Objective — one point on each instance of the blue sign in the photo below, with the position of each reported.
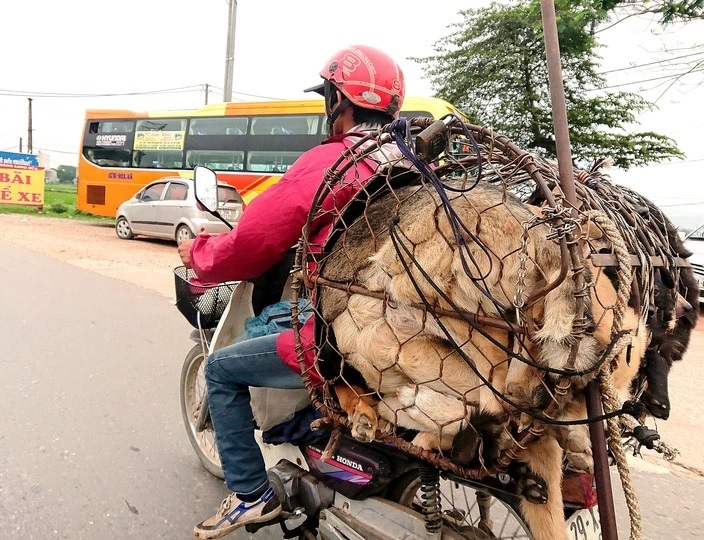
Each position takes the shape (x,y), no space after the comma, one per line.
(21,161)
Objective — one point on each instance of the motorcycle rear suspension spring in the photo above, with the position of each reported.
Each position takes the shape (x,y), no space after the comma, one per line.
(430,497)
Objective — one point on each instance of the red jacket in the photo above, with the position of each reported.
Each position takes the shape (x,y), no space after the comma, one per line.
(272,224)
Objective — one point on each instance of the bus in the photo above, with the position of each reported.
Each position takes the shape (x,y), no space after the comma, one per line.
(249,145)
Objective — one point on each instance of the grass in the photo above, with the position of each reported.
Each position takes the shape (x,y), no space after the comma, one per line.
(59,201)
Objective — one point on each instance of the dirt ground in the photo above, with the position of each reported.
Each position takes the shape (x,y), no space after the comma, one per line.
(149,264)
(144,262)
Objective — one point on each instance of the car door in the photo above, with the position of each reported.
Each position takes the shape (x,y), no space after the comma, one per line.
(143,214)
(172,208)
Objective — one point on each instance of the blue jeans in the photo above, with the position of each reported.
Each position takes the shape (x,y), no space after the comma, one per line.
(229,373)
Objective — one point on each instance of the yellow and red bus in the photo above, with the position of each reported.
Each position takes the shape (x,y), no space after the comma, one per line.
(249,145)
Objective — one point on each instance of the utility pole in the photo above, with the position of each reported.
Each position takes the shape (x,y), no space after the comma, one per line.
(230,52)
(29,128)
(20,145)
(207,90)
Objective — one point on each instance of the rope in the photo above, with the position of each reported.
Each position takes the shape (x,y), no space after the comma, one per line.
(624,266)
(611,402)
(609,396)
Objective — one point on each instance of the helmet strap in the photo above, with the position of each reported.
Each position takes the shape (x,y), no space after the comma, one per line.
(330,101)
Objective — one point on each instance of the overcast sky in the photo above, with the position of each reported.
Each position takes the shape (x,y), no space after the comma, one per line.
(139,46)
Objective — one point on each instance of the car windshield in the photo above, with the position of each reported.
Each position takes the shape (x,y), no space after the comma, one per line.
(696,234)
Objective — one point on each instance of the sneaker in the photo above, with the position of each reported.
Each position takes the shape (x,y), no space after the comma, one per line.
(234,513)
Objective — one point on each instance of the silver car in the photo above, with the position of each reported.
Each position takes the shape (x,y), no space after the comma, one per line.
(694,242)
(167,208)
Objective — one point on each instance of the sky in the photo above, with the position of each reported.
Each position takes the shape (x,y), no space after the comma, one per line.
(159,54)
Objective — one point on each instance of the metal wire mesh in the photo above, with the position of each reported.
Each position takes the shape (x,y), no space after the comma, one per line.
(459,312)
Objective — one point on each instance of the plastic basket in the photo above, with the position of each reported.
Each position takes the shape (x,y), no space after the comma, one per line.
(201,304)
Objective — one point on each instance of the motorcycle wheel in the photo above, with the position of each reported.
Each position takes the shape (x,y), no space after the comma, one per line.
(460,508)
(192,391)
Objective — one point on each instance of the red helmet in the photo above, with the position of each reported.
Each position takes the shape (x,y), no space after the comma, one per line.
(368,77)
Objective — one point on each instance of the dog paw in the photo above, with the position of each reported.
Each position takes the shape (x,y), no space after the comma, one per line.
(364,423)
(385,427)
(575,441)
(582,461)
(531,486)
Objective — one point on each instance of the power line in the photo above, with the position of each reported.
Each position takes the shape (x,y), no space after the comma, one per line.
(26,93)
(675,76)
(177,90)
(636,66)
(700,203)
(682,162)
(58,151)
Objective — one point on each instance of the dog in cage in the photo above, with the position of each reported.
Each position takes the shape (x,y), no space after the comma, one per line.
(402,359)
(672,296)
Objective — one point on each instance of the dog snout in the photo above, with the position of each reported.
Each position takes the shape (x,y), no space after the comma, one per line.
(682,306)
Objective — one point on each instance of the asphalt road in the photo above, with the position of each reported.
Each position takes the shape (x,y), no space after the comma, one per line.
(92,444)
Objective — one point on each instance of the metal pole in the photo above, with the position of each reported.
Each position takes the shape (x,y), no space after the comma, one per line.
(607,514)
(29,127)
(230,52)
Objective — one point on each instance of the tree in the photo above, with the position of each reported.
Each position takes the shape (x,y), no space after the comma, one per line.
(493,67)
(668,11)
(66,174)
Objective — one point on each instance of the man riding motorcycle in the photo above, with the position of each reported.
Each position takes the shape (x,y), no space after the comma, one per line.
(363,90)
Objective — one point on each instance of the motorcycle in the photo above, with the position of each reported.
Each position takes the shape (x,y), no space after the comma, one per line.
(363,491)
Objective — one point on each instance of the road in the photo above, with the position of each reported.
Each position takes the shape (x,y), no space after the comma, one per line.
(92,445)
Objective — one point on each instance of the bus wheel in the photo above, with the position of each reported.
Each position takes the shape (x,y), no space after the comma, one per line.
(183,233)
(123,229)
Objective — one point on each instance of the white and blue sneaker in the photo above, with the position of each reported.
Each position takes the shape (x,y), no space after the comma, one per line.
(234,514)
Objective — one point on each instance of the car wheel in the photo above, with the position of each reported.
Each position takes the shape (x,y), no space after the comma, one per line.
(183,233)
(123,229)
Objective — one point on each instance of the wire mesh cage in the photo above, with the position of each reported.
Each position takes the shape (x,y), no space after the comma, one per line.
(460,303)
(201,304)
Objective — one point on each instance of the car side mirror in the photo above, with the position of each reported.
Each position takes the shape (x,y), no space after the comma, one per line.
(206,187)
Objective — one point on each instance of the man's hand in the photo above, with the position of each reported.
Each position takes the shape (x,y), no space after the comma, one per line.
(184,251)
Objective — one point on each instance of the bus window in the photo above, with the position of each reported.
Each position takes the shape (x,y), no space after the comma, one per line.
(271,161)
(158,159)
(108,157)
(220,160)
(116,126)
(285,125)
(158,144)
(165,124)
(111,126)
(415,114)
(218,126)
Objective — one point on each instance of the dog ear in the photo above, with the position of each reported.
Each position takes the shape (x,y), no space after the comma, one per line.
(667,278)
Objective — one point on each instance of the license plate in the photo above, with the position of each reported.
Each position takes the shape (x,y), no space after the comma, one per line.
(584,525)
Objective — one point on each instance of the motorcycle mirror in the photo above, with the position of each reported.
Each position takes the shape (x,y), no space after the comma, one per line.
(206,188)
